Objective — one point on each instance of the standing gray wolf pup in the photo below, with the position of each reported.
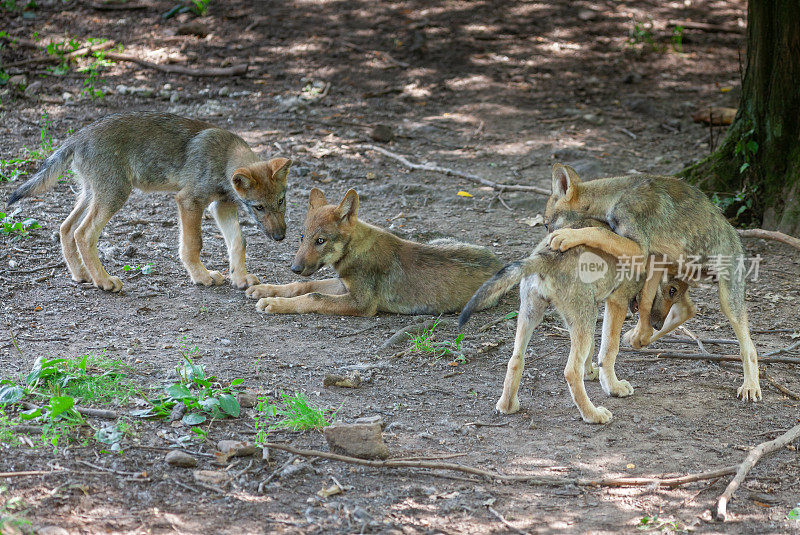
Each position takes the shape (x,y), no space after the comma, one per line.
(666,216)
(163,152)
(377,270)
(551,277)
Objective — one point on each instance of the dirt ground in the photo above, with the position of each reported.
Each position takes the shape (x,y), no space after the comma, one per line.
(499,89)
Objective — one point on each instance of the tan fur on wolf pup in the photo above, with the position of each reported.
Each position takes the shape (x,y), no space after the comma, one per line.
(665,216)
(553,278)
(163,152)
(378,272)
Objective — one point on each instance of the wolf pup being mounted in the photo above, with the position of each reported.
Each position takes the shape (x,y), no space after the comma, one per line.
(204,164)
(377,271)
(659,215)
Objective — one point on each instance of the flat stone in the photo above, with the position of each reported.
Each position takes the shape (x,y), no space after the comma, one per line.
(237,448)
(357,440)
(180,458)
(246,401)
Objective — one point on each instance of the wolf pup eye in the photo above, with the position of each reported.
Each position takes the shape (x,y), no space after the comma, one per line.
(280,202)
(301,238)
(672,291)
(320,241)
(259,207)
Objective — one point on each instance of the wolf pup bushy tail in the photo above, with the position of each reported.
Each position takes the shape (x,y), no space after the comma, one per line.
(493,289)
(54,166)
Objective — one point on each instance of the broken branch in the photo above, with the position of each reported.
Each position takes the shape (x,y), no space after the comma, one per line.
(180,69)
(452,172)
(749,462)
(770,235)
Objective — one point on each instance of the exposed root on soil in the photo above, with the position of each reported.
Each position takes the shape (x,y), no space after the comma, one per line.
(530,479)
(750,461)
(452,172)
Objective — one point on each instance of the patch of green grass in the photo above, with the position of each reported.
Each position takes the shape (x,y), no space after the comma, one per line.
(17,229)
(7,433)
(794,514)
(12,168)
(91,379)
(654,523)
(424,343)
(146,269)
(12,514)
(677,39)
(295,412)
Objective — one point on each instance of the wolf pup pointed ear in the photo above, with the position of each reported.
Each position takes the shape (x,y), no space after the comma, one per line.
(316,198)
(279,167)
(348,208)
(565,178)
(242,180)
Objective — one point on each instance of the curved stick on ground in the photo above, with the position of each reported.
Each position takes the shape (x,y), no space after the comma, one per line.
(770,235)
(180,69)
(749,462)
(452,172)
(530,479)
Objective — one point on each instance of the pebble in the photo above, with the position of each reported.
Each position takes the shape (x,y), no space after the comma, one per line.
(129,252)
(33,89)
(18,80)
(180,458)
(382,133)
(224,91)
(247,401)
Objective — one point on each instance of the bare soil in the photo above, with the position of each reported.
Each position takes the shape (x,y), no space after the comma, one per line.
(500,89)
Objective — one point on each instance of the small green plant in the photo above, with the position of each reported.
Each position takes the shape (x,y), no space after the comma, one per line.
(747,148)
(200,7)
(59,417)
(677,39)
(424,343)
(97,62)
(11,169)
(17,229)
(742,201)
(12,514)
(146,269)
(794,514)
(653,523)
(203,395)
(294,412)
(7,433)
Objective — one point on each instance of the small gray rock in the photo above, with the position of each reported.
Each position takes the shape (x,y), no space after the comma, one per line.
(17,81)
(33,89)
(377,419)
(224,91)
(247,401)
(129,252)
(382,133)
(180,458)
(237,448)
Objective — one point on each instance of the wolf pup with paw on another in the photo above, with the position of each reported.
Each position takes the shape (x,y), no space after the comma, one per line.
(204,164)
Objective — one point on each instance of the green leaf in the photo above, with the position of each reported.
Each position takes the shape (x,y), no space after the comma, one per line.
(193,419)
(752,146)
(10,394)
(30,414)
(60,404)
(178,391)
(237,382)
(744,166)
(229,404)
(148,269)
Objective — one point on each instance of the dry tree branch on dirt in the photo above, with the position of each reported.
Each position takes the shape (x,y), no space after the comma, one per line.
(530,479)
(452,172)
(770,235)
(749,462)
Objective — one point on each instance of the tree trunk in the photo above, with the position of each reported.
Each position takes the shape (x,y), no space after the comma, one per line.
(760,154)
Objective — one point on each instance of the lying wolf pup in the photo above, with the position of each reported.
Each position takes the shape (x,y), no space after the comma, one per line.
(563,280)
(378,272)
(163,152)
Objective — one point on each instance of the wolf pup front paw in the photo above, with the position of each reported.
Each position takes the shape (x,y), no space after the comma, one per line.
(275,305)
(210,278)
(261,290)
(243,282)
(601,415)
(638,337)
(565,239)
(112,284)
(507,406)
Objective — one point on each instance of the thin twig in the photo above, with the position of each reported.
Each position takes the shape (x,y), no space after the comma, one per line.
(782,350)
(85,411)
(766,359)
(452,172)
(782,388)
(506,523)
(180,69)
(16,345)
(486,424)
(5,475)
(749,462)
(691,335)
(34,270)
